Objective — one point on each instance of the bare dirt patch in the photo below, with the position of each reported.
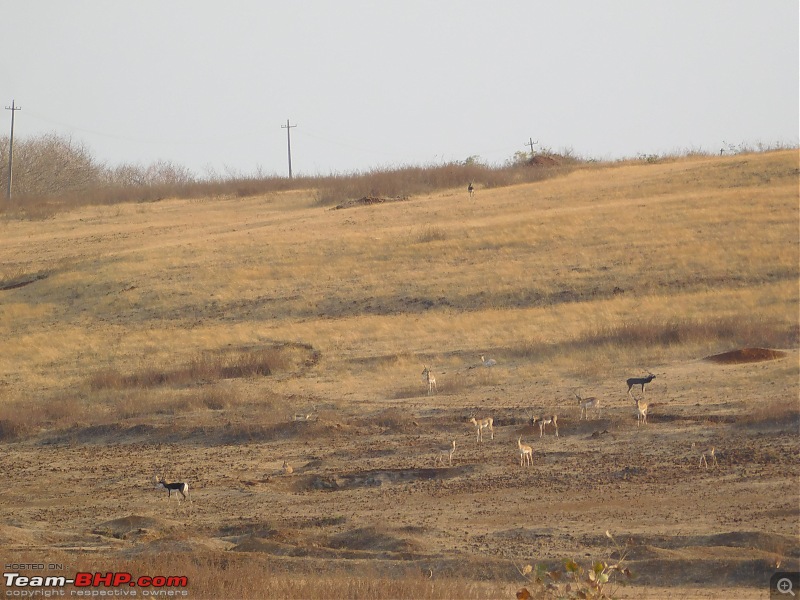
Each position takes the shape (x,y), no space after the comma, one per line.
(746,355)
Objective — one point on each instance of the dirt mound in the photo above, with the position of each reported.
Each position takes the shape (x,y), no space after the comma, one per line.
(366,542)
(371,539)
(11,536)
(746,355)
(367,201)
(543,161)
(125,527)
(378,477)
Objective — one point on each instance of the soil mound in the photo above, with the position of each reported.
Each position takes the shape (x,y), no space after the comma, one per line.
(746,355)
(541,160)
(125,527)
(378,477)
(372,539)
(367,201)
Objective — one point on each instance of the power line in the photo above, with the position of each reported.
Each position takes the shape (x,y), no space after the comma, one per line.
(13,109)
(288,129)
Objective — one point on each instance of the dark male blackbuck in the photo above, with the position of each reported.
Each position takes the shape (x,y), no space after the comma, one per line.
(639,381)
(180,488)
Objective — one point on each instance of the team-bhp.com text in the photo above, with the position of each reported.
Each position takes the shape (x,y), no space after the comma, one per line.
(96,585)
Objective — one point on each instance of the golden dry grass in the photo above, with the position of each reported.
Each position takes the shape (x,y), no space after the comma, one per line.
(140,314)
(695,240)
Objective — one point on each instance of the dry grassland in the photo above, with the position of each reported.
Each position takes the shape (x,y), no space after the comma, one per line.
(184,336)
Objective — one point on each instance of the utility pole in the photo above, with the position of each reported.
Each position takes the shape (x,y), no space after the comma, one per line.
(531,143)
(288,128)
(13,109)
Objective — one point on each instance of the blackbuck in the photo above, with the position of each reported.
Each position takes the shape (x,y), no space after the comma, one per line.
(641,412)
(525,453)
(545,421)
(711,452)
(428,377)
(642,381)
(488,362)
(179,488)
(446,451)
(586,403)
(481,424)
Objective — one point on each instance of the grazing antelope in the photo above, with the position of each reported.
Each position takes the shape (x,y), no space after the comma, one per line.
(180,488)
(525,453)
(488,363)
(586,403)
(639,381)
(287,468)
(446,451)
(304,416)
(471,189)
(481,424)
(712,452)
(545,421)
(427,377)
(641,412)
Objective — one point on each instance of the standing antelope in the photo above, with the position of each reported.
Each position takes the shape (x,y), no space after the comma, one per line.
(180,488)
(428,377)
(446,451)
(586,403)
(481,424)
(471,189)
(525,453)
(641,412)
(712,452)
(545,421)
(639,381)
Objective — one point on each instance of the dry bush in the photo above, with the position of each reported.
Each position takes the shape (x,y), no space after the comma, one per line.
(53,173)
(14,424)
(677,331)
(394,419)
(249,575)
(431,233)
(202,368)
(774,412)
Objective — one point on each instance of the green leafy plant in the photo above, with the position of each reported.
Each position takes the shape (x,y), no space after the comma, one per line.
(596,582)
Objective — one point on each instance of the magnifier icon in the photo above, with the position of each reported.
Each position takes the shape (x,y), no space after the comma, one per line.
(784,586)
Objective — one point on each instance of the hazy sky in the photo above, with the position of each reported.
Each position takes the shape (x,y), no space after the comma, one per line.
(378,83)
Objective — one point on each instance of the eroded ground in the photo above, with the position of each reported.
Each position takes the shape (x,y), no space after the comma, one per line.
(365,486)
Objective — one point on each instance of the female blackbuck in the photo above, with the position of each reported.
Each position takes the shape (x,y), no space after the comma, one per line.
(428,377)
(488,362)
(446,451)
(525,453)
(712,452)
(481,424)
(641,412)
(545,421)
(586,403)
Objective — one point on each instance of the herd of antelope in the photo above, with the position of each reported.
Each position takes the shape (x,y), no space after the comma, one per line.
(485,425)
(585,405)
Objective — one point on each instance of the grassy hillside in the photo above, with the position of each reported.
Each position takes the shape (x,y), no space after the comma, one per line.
(600,272)
(183,335)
